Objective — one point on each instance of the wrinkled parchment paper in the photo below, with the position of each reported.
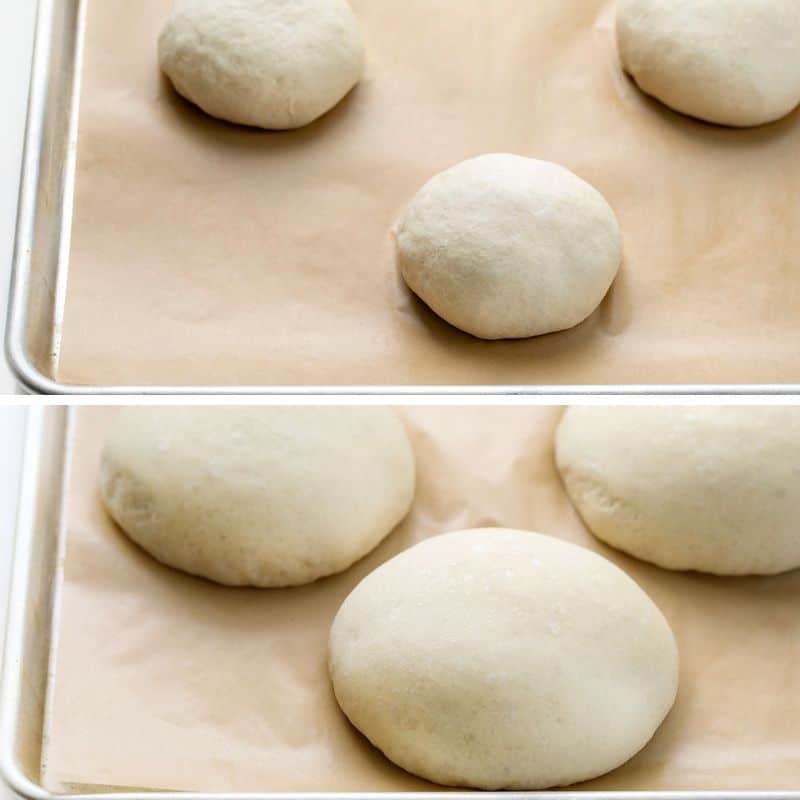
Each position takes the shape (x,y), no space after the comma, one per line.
(167,681)
(205,253)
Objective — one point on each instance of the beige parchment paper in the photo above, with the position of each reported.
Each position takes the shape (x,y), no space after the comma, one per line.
(205,253)
(167,681)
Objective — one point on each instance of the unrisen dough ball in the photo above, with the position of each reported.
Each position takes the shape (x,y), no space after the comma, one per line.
(733,62)
(275,64)
(501,659)
(506,247)
(713,489)
(261,496)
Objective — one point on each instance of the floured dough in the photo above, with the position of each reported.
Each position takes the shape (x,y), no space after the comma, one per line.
(275,64)
(260,496)
(501,659)
(714,489)
(733,62)
(506,247)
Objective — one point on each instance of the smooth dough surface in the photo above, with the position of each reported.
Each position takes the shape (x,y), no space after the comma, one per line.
(713,489)
(259,496)
(502,659)
(507,247)
(732,62)
(276,64)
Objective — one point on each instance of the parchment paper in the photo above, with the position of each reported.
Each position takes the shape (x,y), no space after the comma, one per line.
(207,253)
(167,681)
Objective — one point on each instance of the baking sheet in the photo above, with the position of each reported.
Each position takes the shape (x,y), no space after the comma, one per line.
(171,682)
(205,253)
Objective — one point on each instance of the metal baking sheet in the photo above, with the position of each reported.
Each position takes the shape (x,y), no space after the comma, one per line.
(24,684)
(41,260)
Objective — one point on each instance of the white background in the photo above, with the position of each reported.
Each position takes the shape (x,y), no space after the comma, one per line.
(12,430)
(16,39)
(16,42)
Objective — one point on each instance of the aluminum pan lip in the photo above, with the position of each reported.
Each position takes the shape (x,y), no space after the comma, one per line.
(16,353)
(31,494)
(33,380)
(40,95)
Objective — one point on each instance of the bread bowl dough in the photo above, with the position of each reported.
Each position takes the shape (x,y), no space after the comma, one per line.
(732,62)
(260,496)
(276,64)
(714,489)
(501,659)
(506,247)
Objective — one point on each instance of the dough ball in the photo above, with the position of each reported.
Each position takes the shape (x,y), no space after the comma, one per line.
(501,659)
(275,64)
(713,489)
(733,62)
(506,247)
(260,496)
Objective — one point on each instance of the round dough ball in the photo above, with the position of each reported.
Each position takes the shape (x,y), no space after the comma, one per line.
(502,659)
(506,247)
(276,64)
(732,62)
(260,496)
(712,489)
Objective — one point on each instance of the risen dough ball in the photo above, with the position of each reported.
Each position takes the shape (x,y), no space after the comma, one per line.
(733,62)
(506,247)
(275,64)
(712,489)
(260,496)
(501,659)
